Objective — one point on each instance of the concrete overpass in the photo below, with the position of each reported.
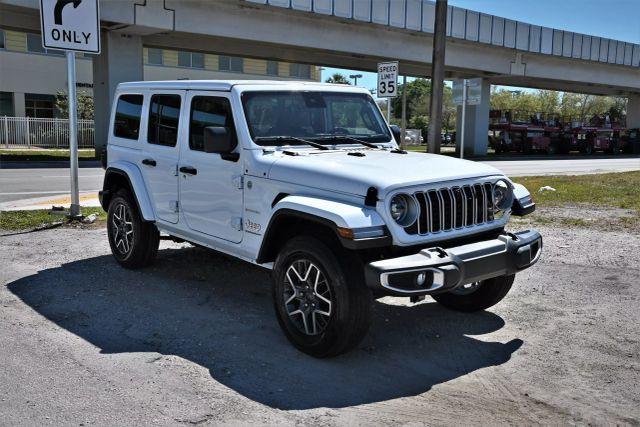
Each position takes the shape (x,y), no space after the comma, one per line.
(357,34)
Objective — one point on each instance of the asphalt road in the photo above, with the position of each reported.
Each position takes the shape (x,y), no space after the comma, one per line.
(193,340)
(18,184)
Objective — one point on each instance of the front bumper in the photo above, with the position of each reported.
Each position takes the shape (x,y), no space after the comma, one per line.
(436,270)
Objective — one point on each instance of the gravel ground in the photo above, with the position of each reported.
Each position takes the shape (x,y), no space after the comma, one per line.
(193,340)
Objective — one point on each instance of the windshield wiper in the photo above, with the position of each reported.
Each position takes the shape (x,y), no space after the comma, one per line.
(348,138)
(291,138)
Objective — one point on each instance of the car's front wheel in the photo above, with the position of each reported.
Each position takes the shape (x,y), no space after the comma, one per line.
(134,242)
(322,303)
(478,295)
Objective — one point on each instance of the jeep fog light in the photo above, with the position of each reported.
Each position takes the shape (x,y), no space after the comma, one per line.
(502,196)
(403,209)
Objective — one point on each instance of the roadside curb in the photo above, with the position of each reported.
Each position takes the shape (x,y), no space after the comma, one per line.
(87,199)
(63,164)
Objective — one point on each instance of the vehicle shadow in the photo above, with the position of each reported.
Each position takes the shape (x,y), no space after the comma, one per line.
(217,312)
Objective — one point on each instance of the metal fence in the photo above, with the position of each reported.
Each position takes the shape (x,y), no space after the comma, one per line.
(27,132)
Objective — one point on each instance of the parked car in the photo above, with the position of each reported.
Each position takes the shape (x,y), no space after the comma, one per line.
(306,179)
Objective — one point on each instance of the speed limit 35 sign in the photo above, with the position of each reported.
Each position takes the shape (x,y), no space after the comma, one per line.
(387,79)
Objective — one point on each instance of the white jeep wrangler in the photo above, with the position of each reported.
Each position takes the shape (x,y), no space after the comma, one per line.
(306,179)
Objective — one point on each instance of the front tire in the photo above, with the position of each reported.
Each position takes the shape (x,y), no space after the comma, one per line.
(477,296)
(134,242)
(321,302)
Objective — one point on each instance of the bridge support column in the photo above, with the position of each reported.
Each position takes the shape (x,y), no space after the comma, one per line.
(476,130)
(119,61)
(633,112)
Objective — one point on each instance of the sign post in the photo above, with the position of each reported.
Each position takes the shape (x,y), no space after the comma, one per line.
(388,83)
(72,26)
(74,211)
(466,92)
(464,113)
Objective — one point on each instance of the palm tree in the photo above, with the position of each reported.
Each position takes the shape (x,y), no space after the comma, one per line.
(338,78)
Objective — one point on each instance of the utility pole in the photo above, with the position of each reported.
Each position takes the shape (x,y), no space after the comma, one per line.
(403,132)
(437,77)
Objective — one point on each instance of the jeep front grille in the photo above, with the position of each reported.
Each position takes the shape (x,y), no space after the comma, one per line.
(452,208)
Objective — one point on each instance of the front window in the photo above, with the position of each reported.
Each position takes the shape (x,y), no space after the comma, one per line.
(191,59)
(272,68)
(155,56)
(324,117)
(39,106)
(231,63)
(302,71)
(6,104)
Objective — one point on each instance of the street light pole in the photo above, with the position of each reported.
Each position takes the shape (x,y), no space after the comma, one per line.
(355,78)
(437,77)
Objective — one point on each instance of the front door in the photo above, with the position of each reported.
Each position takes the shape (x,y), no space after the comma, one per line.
(210,187)
(160,160)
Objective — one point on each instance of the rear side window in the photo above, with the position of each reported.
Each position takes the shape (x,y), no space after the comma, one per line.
(127,120)
(164,116)
(208,111)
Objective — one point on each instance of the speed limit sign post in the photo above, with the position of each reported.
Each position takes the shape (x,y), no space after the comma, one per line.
(388,83)
(388,79)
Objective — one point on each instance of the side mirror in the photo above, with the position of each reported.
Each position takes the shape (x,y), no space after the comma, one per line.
(397,133)
(218,139)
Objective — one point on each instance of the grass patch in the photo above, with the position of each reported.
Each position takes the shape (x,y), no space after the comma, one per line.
(582,194)
(26,220)
(44,155)
(618,190)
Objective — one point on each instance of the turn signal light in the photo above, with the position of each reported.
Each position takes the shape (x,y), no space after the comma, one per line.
(346,233)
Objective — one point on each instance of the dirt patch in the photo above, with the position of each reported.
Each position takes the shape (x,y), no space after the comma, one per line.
(601,218)
(194,340)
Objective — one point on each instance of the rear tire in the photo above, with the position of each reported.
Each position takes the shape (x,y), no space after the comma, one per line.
(134,242)
(321,301)
(487,294)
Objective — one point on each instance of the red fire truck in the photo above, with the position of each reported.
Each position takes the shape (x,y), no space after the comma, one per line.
(599,134)
(524,132)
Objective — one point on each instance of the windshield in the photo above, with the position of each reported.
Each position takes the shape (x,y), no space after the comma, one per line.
(290,117)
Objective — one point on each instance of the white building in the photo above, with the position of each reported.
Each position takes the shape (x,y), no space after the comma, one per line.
(30,76)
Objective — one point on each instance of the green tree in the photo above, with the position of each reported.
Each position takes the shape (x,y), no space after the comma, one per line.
(420,122)
(570,106)
(338,78)
(449,111)
(418,92)
(84,101)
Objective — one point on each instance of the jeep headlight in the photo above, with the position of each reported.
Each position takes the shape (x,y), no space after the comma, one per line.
(502,196)
(403,209)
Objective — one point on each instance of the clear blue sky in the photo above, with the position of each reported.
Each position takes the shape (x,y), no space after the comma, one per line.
(615,19)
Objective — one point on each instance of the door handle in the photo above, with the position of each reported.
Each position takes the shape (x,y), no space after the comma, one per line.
(189,170)
(149,162)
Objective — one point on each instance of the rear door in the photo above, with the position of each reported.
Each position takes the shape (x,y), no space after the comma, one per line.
(210,187)
(159,162)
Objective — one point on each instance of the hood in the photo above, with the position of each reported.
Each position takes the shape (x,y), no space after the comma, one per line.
(338,171)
